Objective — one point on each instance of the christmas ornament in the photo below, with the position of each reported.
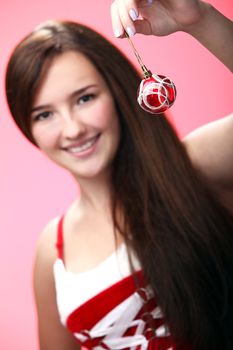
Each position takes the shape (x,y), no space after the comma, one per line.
(156,93)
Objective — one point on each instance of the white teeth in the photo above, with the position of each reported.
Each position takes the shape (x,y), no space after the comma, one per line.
(84,147)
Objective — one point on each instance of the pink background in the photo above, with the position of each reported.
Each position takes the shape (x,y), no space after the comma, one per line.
(32,189)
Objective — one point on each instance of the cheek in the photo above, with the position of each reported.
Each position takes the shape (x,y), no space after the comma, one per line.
(45,137)
(105,115)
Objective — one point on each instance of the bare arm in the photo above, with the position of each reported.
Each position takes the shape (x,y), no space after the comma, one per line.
(210,148)
(215,32)
(52,334)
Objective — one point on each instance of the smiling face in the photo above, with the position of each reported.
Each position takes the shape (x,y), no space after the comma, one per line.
(73,118)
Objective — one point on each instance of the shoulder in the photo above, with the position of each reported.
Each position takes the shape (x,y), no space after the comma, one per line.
(46,245)
(52,334)
(45,256)
(210,148)
(217,127)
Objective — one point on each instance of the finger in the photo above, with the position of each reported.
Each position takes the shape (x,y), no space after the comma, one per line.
(117,26)
(128,11)
(124,13)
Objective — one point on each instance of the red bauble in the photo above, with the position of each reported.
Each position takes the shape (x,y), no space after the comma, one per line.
(156,94)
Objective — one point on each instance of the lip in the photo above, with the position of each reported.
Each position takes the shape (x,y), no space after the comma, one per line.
(80,143)
(85,152)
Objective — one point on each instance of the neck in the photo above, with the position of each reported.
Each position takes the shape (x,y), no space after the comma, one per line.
(95,193)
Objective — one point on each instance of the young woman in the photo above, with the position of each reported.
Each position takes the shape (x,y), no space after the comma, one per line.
(143,259)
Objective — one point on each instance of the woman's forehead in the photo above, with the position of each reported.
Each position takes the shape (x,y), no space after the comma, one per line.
(67,72)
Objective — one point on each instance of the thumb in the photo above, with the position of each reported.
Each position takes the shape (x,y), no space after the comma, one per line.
(142,26)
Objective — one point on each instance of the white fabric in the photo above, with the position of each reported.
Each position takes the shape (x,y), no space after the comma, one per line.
(75,289)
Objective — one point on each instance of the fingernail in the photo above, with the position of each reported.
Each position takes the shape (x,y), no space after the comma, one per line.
(117,33)
(130,31)
(150,1)
(133,14)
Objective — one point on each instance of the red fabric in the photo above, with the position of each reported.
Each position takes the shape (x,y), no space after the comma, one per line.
(85,317)
(89,313)
(59,243)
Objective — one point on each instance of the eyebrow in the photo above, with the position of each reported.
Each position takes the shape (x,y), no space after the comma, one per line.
(72,95)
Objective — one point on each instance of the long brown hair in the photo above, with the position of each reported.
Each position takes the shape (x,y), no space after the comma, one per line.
(182,235)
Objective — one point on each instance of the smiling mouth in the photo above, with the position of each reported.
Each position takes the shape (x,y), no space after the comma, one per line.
(84,147)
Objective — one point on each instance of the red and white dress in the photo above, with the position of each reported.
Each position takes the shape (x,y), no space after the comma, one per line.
(103,307)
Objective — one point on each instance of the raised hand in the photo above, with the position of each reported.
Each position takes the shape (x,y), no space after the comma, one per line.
(158,17)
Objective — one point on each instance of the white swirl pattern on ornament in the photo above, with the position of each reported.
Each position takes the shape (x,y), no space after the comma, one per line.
(162,87)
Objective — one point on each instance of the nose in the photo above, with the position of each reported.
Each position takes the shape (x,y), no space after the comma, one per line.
(72,127)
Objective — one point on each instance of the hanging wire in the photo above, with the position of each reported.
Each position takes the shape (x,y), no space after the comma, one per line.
(146,72)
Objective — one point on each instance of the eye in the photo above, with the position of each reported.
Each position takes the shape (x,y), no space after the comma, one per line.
(85,98)
(41,116)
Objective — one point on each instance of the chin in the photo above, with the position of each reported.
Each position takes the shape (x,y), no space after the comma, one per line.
(91,173)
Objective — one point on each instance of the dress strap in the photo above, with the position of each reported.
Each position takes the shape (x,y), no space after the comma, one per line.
(59,243)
